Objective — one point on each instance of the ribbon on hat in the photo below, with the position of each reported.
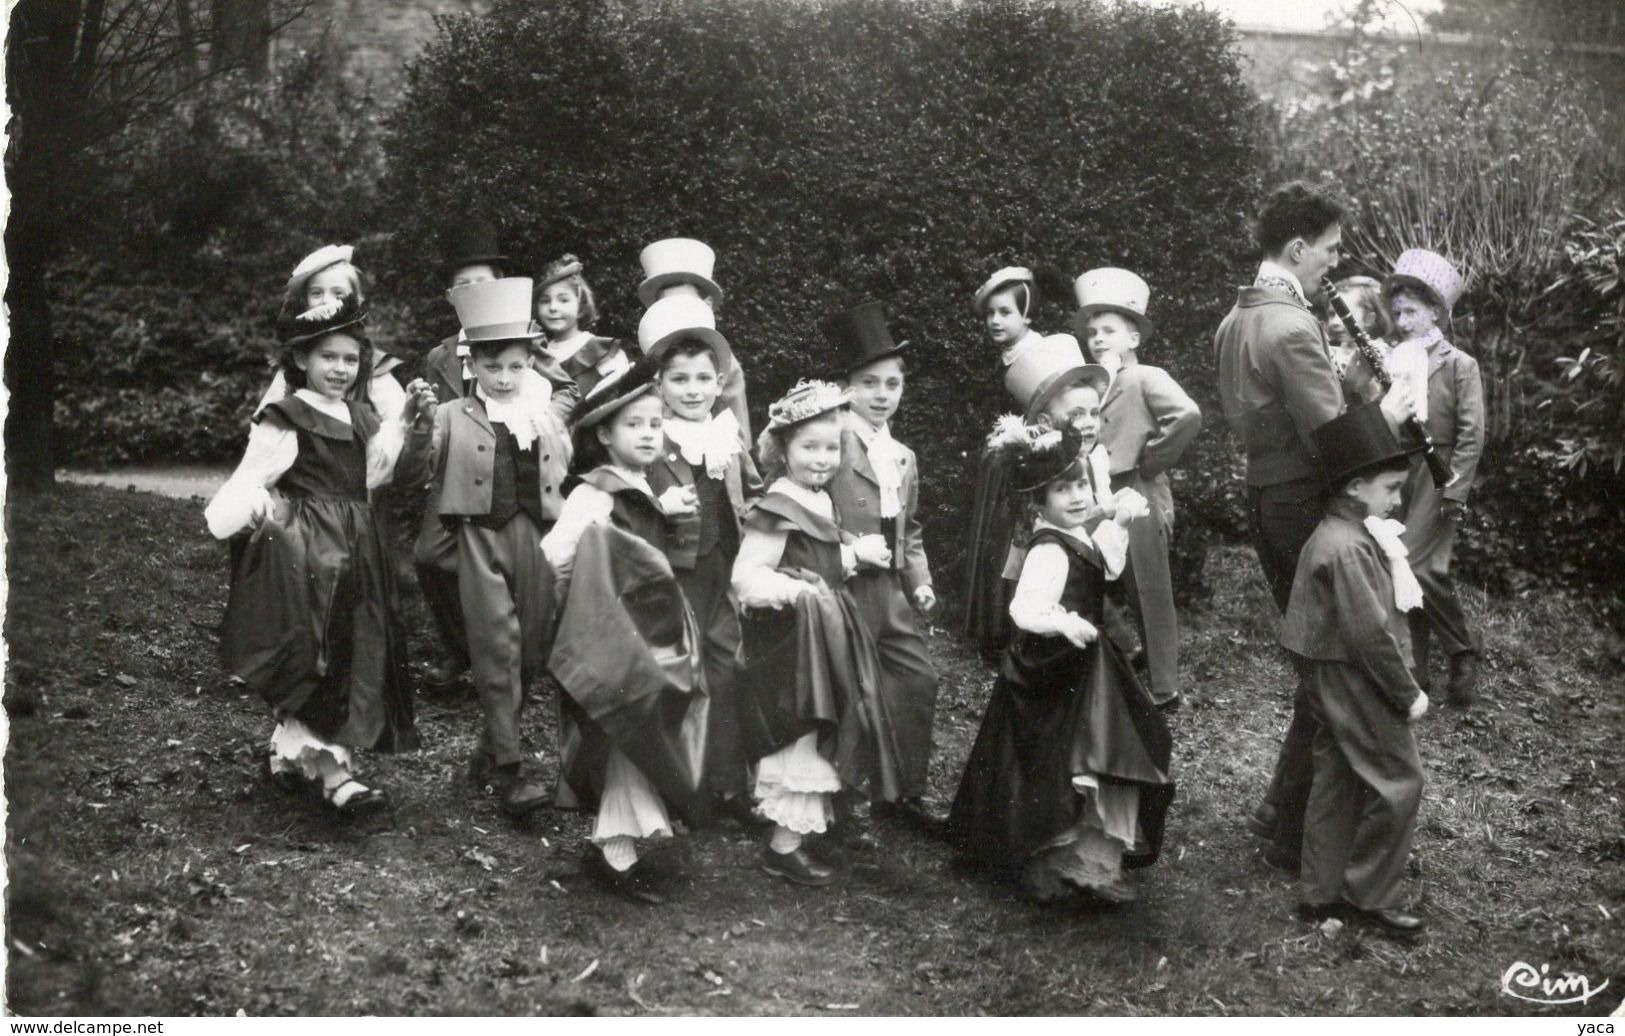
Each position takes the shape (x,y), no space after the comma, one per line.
(712,442)
(1388,532)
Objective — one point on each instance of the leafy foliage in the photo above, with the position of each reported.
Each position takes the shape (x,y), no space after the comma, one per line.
(861,148)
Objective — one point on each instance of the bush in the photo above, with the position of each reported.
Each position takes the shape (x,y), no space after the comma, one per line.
(165,333)
(888,148)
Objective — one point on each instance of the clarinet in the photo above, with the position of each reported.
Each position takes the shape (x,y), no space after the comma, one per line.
(1443,477)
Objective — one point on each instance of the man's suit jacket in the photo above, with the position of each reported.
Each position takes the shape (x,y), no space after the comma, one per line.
(1276,383)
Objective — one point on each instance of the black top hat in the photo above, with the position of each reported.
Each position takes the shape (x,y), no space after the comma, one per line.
(350,315)
(860,337)
(1355,441)
(471,243)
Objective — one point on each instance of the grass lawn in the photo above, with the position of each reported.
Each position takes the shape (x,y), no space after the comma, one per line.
(153,869)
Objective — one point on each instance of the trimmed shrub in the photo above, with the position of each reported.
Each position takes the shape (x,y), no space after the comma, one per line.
(893,149)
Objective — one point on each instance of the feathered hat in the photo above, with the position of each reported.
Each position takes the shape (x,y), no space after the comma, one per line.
(806,401)
(614,392)
(1035,455)
(348,315)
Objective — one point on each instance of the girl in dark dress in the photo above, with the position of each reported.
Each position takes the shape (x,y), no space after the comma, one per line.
(1068,781)
(310,623)
(810,714)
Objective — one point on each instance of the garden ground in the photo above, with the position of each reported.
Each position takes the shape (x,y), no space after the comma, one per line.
(153,870)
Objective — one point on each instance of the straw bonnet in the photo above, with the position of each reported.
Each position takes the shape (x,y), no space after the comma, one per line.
(1111,289)
(1008,275)
(806,401)
(677,260)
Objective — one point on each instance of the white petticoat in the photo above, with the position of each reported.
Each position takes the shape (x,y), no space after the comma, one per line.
(630,807)
(300,746)
(1090,853)
(796,787)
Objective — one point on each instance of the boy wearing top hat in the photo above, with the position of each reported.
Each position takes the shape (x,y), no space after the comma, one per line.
(496,460)
(682,266)
(1147,422)
(1449,391)
(1346,621)
(472,256)
(876,492)
(705,481)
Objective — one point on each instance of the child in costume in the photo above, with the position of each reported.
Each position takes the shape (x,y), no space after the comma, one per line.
(311,622)
(472,256)
(325,276)
(1364,298)
(813,720)
(679,267)
(1449,392)
(1147,423)
(567,309)
(1068,781)
(876,493)
(705,482)
(633,718)
(496,462)
(1346,619)
(1005,302)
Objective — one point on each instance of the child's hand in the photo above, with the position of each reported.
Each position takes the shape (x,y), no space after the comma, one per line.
(872,550)
(420,400)
(1080,631)
(925,597)
(679,500)
(1399,404)
(262,509)
(1129,504)
(1419,707)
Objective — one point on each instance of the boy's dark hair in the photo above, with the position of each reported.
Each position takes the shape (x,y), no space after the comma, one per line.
(1381,467)
(495,347)
(688,347)
(1294,210)
(497,270)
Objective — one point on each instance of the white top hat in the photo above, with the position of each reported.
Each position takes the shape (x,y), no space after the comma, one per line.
(1008,275)
(676,317)
(1043,370)
(1418,266)
(494,311)
(677,260)
(1110,289)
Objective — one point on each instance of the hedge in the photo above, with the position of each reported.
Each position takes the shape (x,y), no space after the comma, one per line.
(833,152)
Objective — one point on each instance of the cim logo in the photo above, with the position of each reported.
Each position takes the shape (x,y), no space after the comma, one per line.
(1523,982)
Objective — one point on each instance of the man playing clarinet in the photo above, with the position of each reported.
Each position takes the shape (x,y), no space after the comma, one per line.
(1277,385)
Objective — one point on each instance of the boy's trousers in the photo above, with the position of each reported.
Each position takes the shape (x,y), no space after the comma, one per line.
(434,557)
(1367,787)
(1430,540)
(506,590)
(907,680)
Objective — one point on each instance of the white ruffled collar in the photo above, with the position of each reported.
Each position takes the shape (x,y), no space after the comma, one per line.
(334,408)
(526,414)
(712,442)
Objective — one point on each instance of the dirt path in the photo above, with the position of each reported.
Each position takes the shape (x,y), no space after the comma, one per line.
(154,871)
(179,481)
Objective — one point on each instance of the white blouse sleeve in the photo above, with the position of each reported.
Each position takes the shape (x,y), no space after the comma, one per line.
(756,579)
(1036,604)
(584,507)
(278,389)
(271,451)
(1112,539)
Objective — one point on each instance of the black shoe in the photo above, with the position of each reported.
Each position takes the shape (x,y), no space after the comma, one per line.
(631,884)
(1391,918)
(359,803)
(741,810)
(517,796)
(1318,912)
(1463,686)
(1169,706)
(798,866)
(291,782)
(1283,860)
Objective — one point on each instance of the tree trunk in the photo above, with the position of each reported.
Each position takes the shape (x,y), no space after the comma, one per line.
(240,33)
(30,373)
